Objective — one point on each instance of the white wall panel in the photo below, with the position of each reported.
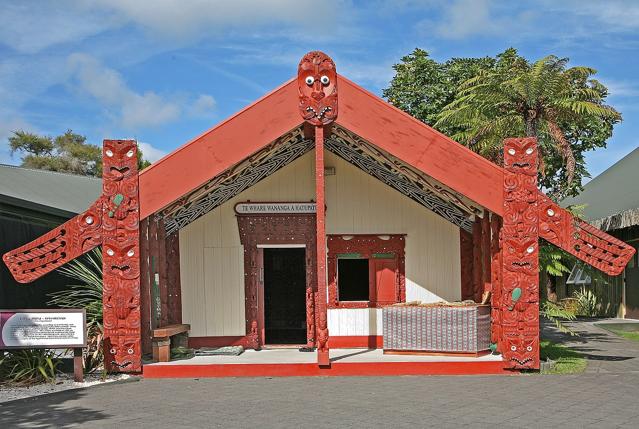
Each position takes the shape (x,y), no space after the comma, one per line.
(212,256)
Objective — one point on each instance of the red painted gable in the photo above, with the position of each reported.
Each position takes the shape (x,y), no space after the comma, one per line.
(360,111)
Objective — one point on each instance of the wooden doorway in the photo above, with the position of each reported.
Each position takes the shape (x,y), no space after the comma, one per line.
(283,299)
(259,232)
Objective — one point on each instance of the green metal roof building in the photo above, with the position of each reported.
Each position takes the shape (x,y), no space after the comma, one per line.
(32,202)
(612,204)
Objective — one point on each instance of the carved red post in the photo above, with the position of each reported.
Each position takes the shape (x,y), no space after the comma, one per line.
(520,262)
(121,256)
(496,266)
(113,222)
(317,83)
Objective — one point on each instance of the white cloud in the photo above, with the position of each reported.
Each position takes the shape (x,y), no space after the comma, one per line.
(202,18)
(203,105)
(108,87)
(151,153)
(30,26)
(620,88)
(461,19)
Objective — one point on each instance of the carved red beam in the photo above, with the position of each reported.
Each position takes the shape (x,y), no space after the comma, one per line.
(57,247)
(589,244)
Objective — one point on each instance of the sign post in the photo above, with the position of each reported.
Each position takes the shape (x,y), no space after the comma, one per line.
(45,329)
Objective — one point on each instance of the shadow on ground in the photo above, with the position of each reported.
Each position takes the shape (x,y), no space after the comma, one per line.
(48,411)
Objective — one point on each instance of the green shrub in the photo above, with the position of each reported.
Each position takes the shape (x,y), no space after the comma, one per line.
(28,366)
(558,314)
(87,294)
(587,303)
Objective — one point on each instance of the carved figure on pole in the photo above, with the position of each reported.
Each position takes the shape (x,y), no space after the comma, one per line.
(317,84)
(113,222)
(519,297)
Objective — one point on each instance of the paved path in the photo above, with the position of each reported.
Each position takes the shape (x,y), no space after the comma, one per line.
(606,352)
(604,398)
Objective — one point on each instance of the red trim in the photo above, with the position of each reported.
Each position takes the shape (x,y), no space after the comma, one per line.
(323,358)
(366,245)
(356,341)
(336,369)
(197,342)
(336,342)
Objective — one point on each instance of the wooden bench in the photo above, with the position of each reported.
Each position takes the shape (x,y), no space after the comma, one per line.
(162,340)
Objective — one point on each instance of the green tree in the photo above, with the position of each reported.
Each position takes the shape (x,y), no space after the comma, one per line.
(68,153)
(481,101)
(564,108)
(423,87)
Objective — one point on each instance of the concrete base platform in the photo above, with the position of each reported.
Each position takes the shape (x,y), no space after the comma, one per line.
(344,362)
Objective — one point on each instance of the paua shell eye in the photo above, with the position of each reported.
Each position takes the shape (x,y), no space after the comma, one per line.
(113,351)
(325,80)
(130,351)
(130,153)
(109,153)
(529,150)
(513,348)
(110,252)
(310,80)
(511,151)
(530,249)
(529,348)
(130,253)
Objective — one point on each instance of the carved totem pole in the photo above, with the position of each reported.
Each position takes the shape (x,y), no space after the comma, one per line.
(113,222)
(519,297)
(317,83)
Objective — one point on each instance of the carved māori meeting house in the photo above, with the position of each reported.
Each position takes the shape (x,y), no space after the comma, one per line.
(330,231)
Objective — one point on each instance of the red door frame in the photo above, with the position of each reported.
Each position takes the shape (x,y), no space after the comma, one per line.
(275,229)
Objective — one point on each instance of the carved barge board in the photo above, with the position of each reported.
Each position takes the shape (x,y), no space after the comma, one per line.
(57,247)
(589,244)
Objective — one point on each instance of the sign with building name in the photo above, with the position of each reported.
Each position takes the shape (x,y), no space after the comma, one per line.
(42,328)
(275,208)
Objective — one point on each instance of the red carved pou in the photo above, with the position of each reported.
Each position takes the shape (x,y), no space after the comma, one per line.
(519,295)
(317,83)
(120,252)
(113,222)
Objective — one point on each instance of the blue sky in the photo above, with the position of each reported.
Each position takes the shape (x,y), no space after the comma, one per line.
(164,71)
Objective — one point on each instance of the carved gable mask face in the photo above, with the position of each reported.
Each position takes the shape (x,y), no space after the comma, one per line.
(122,256)
(317,83)
(120,159)
(520,156)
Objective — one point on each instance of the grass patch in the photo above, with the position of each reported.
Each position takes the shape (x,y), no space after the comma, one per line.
(629,331)
(567,360)
(630,335)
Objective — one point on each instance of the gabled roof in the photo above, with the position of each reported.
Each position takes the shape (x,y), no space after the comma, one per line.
(48,191)
(360,111)
(613,192)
